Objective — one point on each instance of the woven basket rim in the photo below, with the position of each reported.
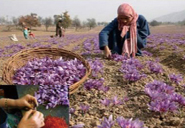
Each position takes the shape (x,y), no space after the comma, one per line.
(9,68)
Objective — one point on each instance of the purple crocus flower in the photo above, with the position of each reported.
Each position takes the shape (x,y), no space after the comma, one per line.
(84,108)
(154,67)
(163,97)
(163,107)
(146,53)
(72,110)
(104,88)
(107,123)
(117,57)
(178,98)
(94,84)
(52,95)
(96,66)
(50,72)
(133,75)
(105,102)
(131,69)
(129,123)
(11,50)
(175,78)
(116,101)
(138,124)
(125,99)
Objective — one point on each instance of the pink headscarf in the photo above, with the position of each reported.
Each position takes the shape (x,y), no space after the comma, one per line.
(130,46)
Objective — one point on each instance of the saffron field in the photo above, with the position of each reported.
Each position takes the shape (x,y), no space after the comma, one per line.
(147,91)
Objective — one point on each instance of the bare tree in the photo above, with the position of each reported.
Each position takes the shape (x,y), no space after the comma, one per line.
(102,23)
(29,20)
(84,24)
(41,20)
(76,23)
(15,21)
(66,20)
(47,22)
(91,23)
(2,20)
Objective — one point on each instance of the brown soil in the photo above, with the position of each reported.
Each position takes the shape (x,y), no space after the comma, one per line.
(136,107)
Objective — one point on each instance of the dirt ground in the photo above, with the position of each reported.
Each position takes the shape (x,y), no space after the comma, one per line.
(136,107)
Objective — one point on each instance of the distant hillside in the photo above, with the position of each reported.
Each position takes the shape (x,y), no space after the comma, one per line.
(172,17)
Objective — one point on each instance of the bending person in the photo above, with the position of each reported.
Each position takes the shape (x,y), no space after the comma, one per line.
(126,34)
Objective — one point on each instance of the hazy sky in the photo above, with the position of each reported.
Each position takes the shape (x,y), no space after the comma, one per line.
(101,10)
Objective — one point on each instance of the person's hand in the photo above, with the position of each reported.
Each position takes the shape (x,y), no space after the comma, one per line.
(32,119)
(107,52)
(27,101)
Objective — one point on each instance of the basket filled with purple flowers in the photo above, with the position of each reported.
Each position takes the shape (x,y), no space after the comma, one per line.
(46,66)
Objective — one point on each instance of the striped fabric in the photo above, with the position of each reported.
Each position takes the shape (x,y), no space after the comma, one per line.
(130,45)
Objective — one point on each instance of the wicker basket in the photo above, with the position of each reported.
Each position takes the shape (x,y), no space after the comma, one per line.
(21,58)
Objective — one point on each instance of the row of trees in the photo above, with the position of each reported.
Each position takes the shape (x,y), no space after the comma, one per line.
(33,20)
(156,23)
